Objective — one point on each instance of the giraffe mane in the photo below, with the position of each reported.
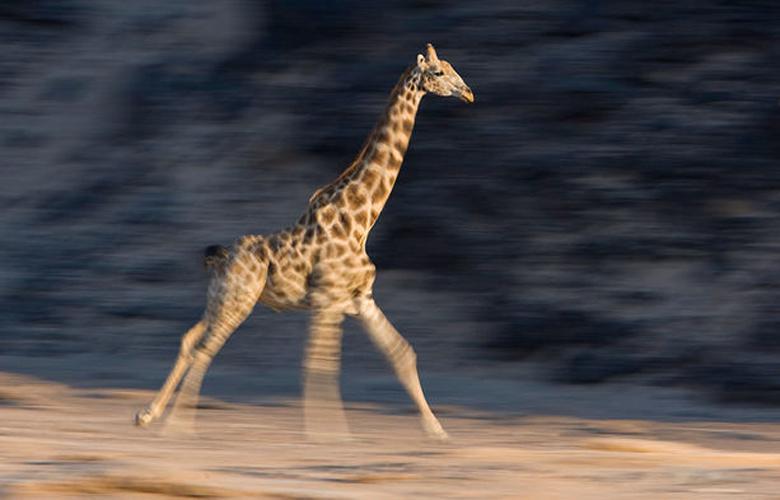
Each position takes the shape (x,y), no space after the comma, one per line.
(361,155)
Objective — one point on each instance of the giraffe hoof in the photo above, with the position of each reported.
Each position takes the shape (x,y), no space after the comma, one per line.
(435,431)
(143,418)
(440,436)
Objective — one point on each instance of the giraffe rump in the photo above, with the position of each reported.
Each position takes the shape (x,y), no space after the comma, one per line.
(215,256)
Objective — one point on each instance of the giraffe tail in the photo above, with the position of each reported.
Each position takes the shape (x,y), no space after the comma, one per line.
(215,257)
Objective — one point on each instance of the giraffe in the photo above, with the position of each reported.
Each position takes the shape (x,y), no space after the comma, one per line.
(319,264)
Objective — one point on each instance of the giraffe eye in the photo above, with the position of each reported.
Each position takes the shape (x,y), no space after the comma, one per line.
(438,73)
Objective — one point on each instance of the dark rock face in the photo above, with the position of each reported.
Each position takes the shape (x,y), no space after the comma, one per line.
(609,205)
(42,14)
(531,330)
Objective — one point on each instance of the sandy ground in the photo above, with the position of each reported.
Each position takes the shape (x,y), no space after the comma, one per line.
(672,242)
(64,441)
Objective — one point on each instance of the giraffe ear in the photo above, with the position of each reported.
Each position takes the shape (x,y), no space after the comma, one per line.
(421,61)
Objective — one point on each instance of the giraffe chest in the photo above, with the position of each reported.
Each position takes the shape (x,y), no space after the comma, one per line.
(285,286)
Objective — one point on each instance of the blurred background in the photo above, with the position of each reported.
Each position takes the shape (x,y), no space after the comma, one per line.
(608,209)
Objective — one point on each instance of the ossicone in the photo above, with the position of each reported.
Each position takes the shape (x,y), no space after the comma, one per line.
(430,53)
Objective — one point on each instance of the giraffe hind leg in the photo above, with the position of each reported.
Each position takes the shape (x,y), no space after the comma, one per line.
(214,258)
(156,408)
(235,286)
(231,300)
(184,407)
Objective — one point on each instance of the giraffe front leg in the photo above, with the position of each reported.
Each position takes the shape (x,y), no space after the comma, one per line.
(403,360)
(155,409)
(323,410)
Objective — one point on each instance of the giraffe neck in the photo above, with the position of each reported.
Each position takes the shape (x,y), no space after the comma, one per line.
(371,176)
(386,147)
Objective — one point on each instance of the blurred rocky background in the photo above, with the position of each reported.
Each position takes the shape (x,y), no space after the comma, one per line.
(608,209)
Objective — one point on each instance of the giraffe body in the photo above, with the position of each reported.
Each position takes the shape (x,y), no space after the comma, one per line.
(320,264)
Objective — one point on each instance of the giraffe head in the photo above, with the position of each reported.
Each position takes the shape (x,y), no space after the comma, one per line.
(439,77)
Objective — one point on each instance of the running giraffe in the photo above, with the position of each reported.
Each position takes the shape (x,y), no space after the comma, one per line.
(319,264)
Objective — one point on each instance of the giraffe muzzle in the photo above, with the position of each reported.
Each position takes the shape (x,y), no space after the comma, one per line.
(467,95)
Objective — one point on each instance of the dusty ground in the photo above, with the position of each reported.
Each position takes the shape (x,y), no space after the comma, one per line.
(58,441)
(606,212)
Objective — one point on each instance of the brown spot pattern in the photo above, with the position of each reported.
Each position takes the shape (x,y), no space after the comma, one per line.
(346,223)
(380,193)
(327,215)
(394,163)
(369,177)
(338,232)
(380,156)
(383,136)
(355,198)
(361,218)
